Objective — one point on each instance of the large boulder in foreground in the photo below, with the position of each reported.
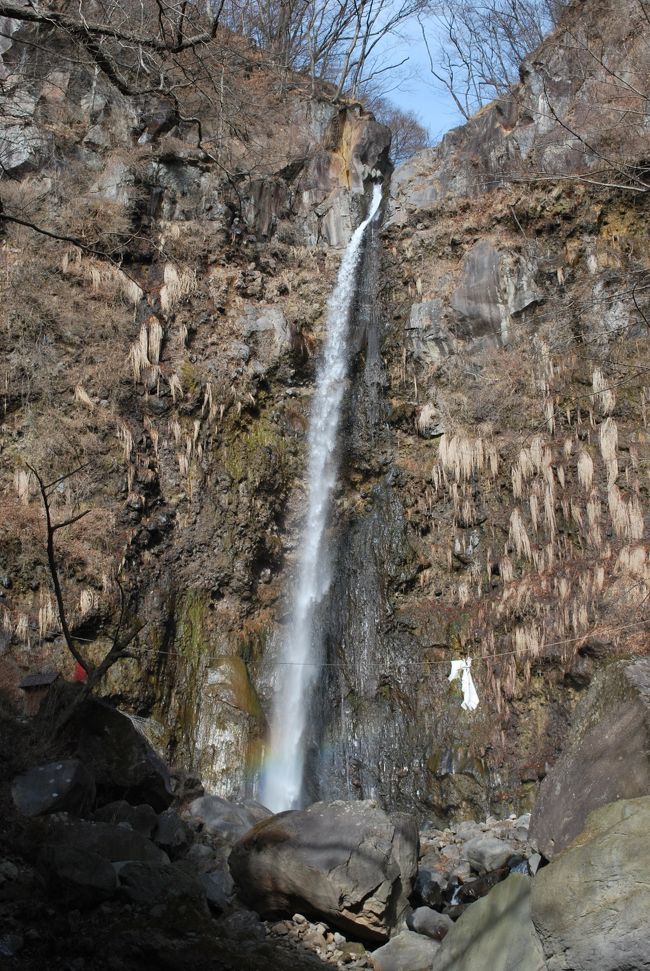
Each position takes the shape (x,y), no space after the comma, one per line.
(608,757)
(591,905)
(349,863)
(124,763)
(496,933)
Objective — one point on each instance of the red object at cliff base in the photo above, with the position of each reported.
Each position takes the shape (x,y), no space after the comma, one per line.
(79,673)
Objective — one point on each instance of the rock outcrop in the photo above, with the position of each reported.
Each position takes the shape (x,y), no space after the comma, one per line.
(607,759)
(349,863)
(562,119)
(590,906)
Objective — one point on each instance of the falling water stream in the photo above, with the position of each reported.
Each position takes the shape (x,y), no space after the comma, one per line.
(299,666)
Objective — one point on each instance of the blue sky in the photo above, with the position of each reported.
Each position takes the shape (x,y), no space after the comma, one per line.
(418,90)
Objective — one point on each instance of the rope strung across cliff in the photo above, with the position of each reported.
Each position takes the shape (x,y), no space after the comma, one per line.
(426,663)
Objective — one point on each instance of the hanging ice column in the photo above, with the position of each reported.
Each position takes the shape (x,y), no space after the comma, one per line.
(299,662)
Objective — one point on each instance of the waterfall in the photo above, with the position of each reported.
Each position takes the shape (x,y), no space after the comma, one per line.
(299,666)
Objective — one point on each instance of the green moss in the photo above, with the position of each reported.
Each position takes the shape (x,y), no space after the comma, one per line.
(252,644)
(252,454)
(190,379)
(235,685)
(191,624)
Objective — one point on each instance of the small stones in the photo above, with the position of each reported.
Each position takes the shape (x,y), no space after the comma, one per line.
(328,945)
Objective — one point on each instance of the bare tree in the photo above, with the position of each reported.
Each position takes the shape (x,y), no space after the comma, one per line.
(339,41)
(409,134)
(126,629)
(475,47)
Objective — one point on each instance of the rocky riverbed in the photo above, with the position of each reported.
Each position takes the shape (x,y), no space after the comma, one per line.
(110,860)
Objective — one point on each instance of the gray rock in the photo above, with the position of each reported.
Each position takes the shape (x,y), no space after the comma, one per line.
(486,853)
(225,819)
(496,932)
(115,184)
(142,818)
(591,905)
(428,331)
(351,864)
(406,951)
(113,843)
(171,833)
(243,925)
(476,299)
(200,854)
(468,830)
(8,870)
(155,883)
(429,886)
(57,787)
(124,763)
(429,922)
(509,136)
(77,876)
(267,320)
(218,886)
(608,757)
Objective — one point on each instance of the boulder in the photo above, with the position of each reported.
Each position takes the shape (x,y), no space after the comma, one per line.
(219,817)
(351,864)
(608,756)
(65,786)
(218,887)
(155,883)
(429,922)
(474,889)
(171,833)
(142,818)
(591,905)
(124,763)
(77,877)
(113,843)
(496,933)
(487,853)
(405,952)
(429,887)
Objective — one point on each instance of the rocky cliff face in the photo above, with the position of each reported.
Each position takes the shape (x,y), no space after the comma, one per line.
(494,451)
(516,326)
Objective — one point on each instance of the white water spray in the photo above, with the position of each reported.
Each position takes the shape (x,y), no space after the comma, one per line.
(299,663)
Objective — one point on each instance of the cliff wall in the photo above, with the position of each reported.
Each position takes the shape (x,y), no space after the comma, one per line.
(494,491)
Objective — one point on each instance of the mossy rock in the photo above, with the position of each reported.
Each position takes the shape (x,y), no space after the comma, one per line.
(229,678)
(255,454)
